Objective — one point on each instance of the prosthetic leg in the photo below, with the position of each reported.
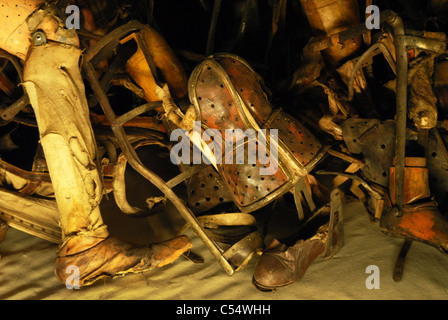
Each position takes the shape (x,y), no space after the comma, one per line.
(53,83)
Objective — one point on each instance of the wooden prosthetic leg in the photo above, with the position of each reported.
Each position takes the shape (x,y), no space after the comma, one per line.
(53,82)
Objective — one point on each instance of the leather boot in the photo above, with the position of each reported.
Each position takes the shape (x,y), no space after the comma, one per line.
(281,265)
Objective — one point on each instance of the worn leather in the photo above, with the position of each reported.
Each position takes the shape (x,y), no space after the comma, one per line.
(54,84)
(281,265)
(112,257)
(422,222)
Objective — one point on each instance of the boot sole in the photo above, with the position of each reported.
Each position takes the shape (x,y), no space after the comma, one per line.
(264,288)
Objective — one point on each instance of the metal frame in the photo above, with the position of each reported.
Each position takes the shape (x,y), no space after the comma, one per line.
(403,39)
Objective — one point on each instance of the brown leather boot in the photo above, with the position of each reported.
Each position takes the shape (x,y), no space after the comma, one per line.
(113,258)
(281,265)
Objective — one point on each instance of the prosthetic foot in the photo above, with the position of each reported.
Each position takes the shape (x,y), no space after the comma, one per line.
(113,258)
(421,222)
(421,219)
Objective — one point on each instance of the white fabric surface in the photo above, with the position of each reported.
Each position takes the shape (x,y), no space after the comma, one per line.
(26,270)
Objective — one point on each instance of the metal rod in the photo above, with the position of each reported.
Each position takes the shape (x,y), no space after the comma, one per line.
(399,265)
(401,106)
(188,173)
(137,112)
(212,29)
(111,41)
(142,44)
(369,53)
(10,112)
